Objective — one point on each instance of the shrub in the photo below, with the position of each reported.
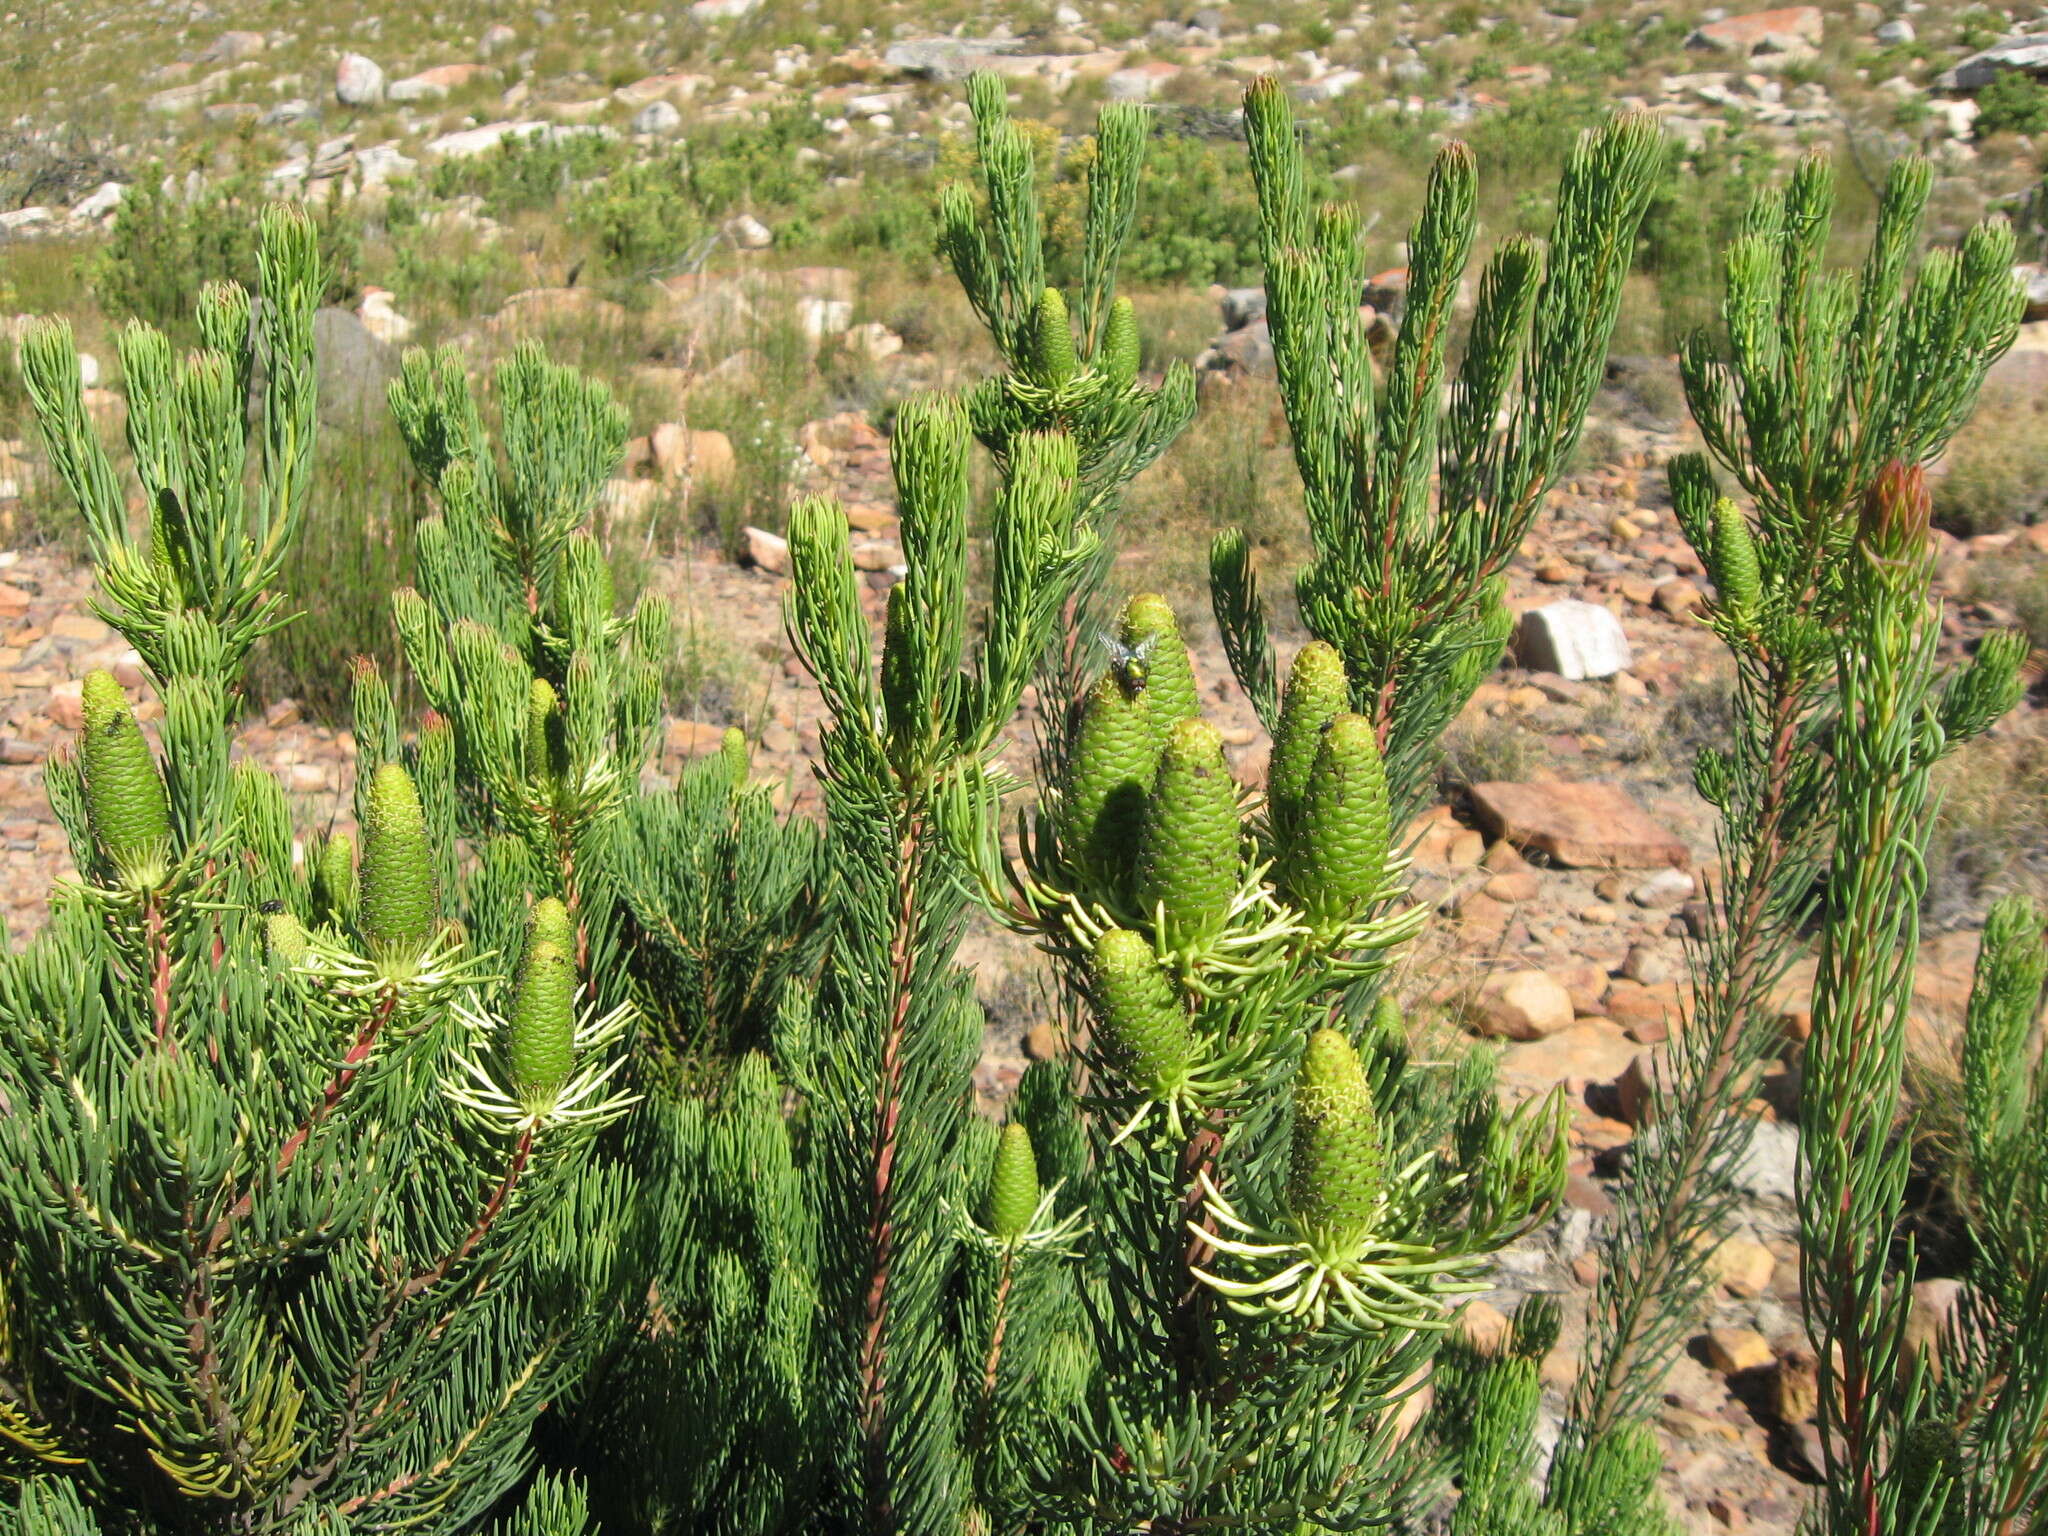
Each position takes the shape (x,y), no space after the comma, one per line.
(2013,102)
(162,242)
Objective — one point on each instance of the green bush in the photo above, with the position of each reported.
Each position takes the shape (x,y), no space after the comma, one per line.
(2014,102)
(164,245)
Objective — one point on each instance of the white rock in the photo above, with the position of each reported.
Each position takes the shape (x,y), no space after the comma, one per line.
(380,162)
(99,202)
(88,371)
(657,117)
(749,233)
(821,318)
(873,341)
(1575,640)
(380,319)
(1067,18)
(722,10)
(466,142)
(358,81)
(1900,31)
(1666,888)
(767,551)
(25,218)
(1329,87)
(495,37)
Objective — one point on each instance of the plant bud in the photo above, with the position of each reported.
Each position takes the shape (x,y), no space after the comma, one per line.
(903,704)
(1144,1025)
(1119,356)
(1925,1464)
(1335,1168)
(733,756)
(1898,513)
(1103,804)
(540,1031)
(1736,575)
(551,924)
(124,793)
(1317,693)
(1152,656)
(547,742)
(1386,1019)
(1188,854)
(1052,340)
(1339,853)
(334,879)
(284,936)
(396,897)
(1013,1190)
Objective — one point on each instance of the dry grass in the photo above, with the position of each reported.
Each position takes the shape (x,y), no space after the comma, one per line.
(1996,470)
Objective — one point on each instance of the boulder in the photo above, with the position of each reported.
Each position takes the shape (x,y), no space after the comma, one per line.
(1580,825)
(702,455)
(358,81)
(767,551)
(232,47)
(468,142)
(433,84)
(1732,1351)
(1573,639)
(1794,30)
(1140,82)
(948,60)
(354,368)
(1241,306)
(2033,276)
(2028,52)
(1521,1005)
(657,116)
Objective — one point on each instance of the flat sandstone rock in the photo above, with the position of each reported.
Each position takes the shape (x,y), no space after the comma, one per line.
(1578,825)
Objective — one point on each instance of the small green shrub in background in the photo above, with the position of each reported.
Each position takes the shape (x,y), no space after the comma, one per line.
(355,548)
(164,244)
(2014,102)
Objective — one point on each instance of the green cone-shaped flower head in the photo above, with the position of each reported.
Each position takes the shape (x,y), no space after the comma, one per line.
(1152,656)
(1386,1019)
(540,1030)
(1119,356)
(1052,340)
(547,740)
(1013,1190)
(1144,1026)
(1188,857)
(1926,1464)
(1317,693)
(396,899)
(732,753)
(1737,579)
(1102,805)
(284,936)
(124,793)
(1336,1169)
(1338,857)
(334,879)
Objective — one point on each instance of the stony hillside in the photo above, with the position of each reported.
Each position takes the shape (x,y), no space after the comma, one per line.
(722,209)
